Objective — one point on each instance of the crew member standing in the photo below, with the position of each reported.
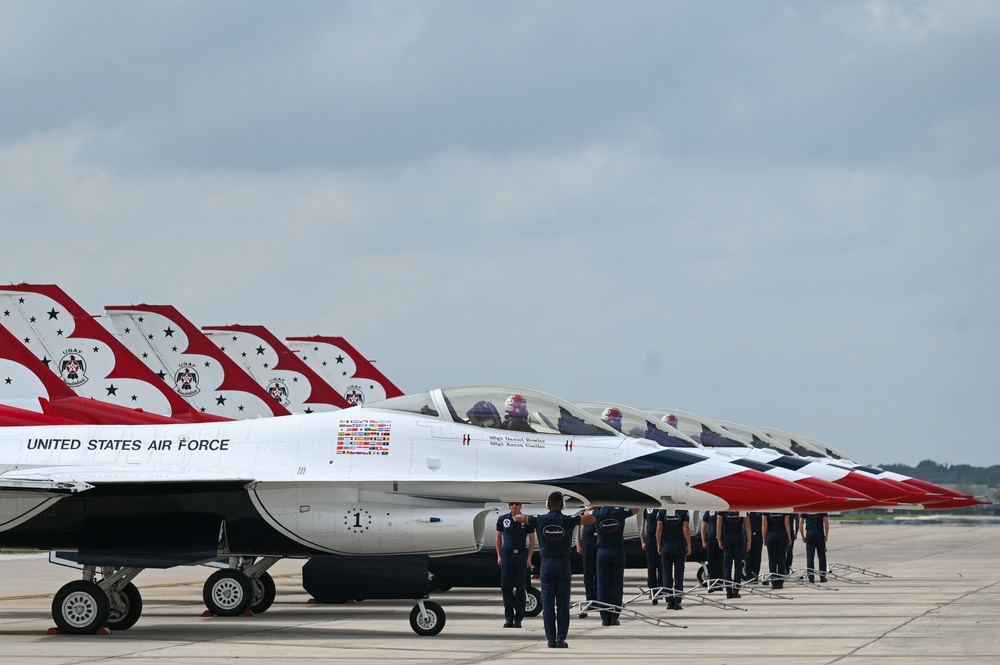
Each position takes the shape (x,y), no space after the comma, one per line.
(817,532)
(751,565)
(793,522)
(654,567)
(673,535)
(586,545)
(777,532)
(732,531)
(611,558)
(515,545)
(713,554)
(553,530)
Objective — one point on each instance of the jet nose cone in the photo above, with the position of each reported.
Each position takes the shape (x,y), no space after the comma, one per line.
(846,498)
(753,490)
(873,487)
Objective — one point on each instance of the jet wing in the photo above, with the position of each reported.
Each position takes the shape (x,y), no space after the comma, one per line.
(41,486)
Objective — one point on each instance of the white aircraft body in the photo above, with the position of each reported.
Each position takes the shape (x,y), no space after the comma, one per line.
(407,475)
(643,424)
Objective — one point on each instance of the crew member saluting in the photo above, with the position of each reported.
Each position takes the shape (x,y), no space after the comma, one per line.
(554,533)
(515,545)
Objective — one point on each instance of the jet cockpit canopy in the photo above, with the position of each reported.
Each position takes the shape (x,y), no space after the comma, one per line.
(501,407)
(704,431)
(640,425)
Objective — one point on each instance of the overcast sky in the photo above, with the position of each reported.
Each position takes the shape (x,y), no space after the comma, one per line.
(775,213)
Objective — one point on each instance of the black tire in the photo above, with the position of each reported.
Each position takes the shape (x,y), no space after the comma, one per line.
(532,602)
(131,608)
(80,608)
(228,593)
(429,623)
(264,593)
(703,573)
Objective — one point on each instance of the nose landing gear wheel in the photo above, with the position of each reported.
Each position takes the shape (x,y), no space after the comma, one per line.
(428,622)
(228,593)
(124,608)
(532,602)
(80,608)
(264,593)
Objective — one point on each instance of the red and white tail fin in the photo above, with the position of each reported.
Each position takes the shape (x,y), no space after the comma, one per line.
(83,354)
(276,368)
(29,385)
(350,373)
(180,354)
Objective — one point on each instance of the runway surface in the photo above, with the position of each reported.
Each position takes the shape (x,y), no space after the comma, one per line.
(938,607)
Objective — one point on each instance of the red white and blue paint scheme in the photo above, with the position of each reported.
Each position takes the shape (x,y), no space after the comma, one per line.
(413,474)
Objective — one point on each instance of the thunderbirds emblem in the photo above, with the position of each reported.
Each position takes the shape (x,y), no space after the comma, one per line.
(186,380)
(73,369)
(277,389)
(354,396)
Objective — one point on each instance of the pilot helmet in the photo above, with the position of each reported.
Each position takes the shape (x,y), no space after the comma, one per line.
(671,420)
(516,407)
(613,416)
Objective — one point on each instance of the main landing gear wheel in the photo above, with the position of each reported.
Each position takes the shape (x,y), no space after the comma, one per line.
(125,606)
(703,573)
(264,593)
(80,608)
(228,593)
(532,602)
(427,621)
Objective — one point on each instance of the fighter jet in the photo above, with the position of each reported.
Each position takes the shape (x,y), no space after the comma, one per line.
(408,475)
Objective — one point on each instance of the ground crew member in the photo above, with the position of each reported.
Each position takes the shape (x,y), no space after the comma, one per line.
(793,521)
(817,531)
(586,545)
(553,530)
(611,558)
(713,554)
(515,545)
(673,536)
(777,533)
(731,531)
(654,567)
(751,565)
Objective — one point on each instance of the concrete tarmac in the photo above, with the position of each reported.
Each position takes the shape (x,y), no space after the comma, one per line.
(938,607)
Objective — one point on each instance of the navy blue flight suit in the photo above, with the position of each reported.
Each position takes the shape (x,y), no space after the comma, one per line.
(777,546)
(588,550)
(654,569)
(815,544)
(751,565)
(793,522)
(674,548)
(513,567)
(733,541)
(611,559)
(713,555)
(553,531)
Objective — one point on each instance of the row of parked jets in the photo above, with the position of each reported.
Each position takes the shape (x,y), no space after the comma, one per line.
(135,439)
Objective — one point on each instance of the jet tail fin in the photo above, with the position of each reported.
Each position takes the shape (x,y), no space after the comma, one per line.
(175,350)
(344,368)
(289,380)
(81,352)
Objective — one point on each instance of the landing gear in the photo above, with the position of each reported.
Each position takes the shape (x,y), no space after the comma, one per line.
(81,608)
(264,593)
(125,607)
(86,606)
(223,594)
(427,618)
(532,602)
(228,593)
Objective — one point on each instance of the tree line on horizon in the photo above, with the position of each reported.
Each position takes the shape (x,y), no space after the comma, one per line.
(949,474)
